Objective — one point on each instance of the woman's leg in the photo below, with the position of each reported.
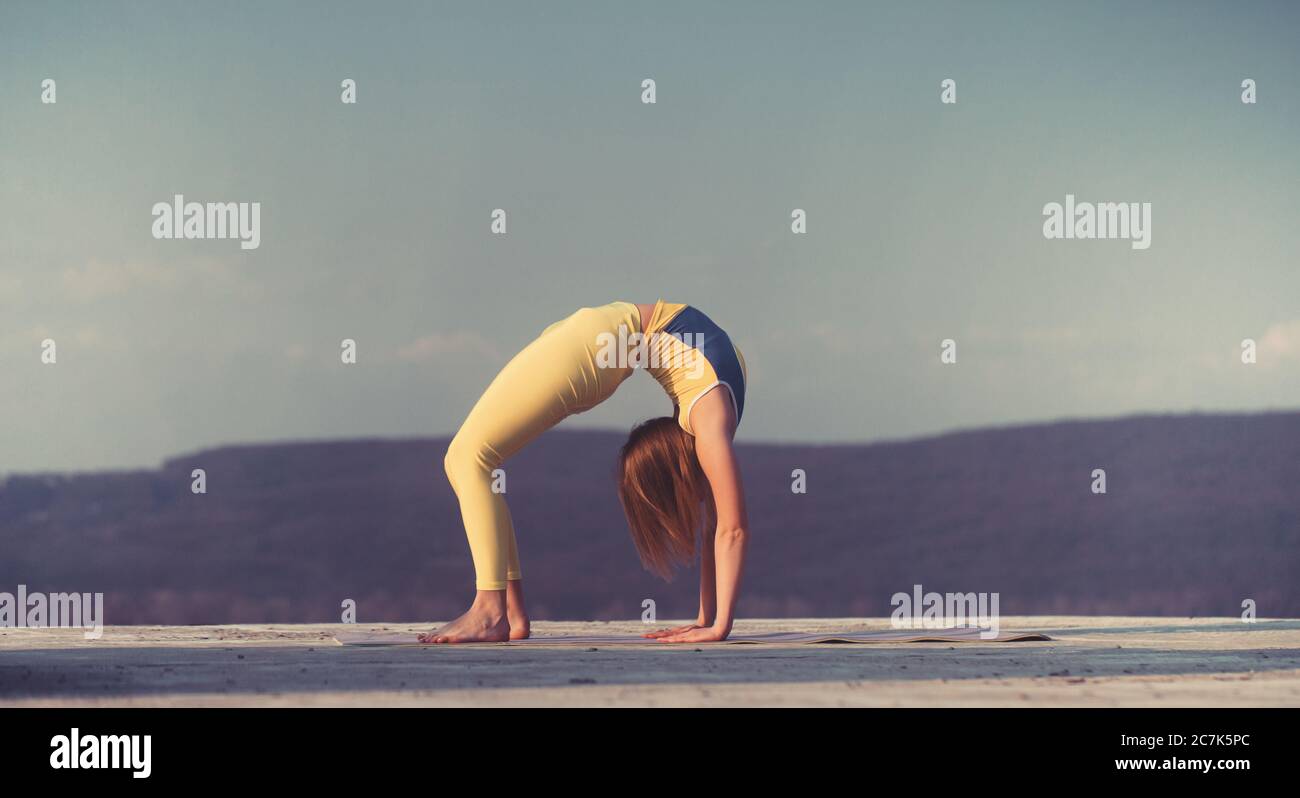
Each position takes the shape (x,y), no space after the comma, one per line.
(536,390)
(522,402)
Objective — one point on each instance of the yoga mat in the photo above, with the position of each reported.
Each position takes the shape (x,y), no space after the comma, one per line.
(955,635)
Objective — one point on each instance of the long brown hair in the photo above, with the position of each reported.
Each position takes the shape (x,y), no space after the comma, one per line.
(662,489)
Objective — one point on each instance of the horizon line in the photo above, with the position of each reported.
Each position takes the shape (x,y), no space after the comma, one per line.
(1004,427)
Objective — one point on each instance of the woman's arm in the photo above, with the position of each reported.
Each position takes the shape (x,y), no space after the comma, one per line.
(713,420)
(708,581)
(708,596)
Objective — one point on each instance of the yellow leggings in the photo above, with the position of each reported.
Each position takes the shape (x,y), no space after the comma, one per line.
(555,376)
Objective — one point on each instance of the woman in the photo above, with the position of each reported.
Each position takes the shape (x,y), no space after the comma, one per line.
(676,473)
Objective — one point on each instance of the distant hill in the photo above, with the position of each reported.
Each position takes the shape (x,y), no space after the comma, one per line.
(1202,511)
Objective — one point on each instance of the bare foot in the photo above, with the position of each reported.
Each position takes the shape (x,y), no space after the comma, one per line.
(518,626)
(515,612)
(476,626)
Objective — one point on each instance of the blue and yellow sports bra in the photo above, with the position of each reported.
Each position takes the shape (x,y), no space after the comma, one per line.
(689,356)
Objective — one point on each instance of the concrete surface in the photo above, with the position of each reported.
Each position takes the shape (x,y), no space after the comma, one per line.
(1092,661)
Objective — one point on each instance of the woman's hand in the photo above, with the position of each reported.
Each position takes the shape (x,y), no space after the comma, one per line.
(697,634)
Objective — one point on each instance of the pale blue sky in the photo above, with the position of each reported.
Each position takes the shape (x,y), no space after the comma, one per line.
(924,219)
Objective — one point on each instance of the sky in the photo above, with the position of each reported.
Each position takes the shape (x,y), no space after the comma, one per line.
(924,219)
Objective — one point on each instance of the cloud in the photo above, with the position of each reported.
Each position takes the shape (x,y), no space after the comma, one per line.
(82,338)
(1017,342)
(11,288)
(98,279)
(1281,341)
(439,345)
(24,342)
(837,340)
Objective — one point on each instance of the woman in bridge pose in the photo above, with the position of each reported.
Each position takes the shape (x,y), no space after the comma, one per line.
(678,480)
